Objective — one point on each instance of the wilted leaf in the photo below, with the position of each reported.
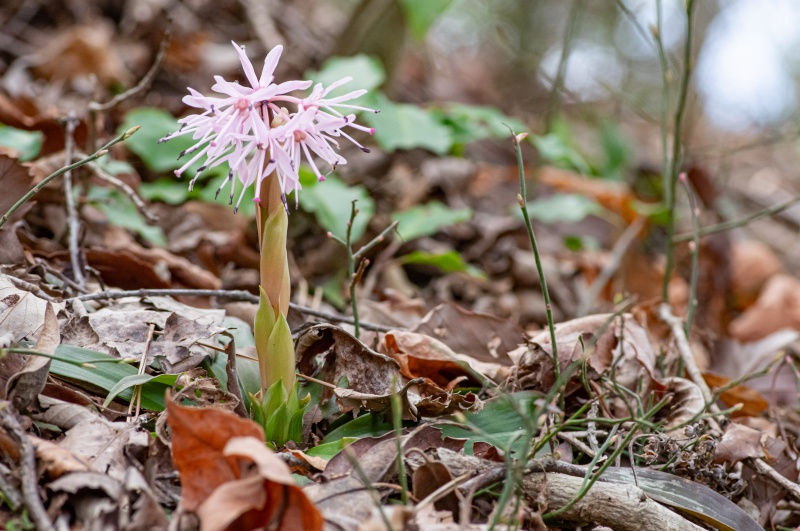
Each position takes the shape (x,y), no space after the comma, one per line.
(777,307)
(688,404)
(429,477)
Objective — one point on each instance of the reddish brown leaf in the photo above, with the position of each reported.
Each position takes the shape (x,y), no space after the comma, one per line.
(753,404)
(199,436)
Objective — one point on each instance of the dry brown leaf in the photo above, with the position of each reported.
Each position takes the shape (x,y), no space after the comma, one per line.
(752,264)
(481,336)
(739,442)
(420,355)
(199,436)
(266,495)
(777,307)
(622,344)
(22,313)
(429,477)
(23,388)
(753,404)
(56,460)
(686,405)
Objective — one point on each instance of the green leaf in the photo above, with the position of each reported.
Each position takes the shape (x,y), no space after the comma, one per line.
(156,124)
(427,219)
(500,423)
(330,202)
(262,328)
(281,351)
(470,123)
(369,425)
(328,450)
(138,379)
(559,149)
(616,149)
(121,212)
(567,208)
(421,14)
(105,375)
(26,143)
(277,427)
(367,73)
(447,262)
(406,126)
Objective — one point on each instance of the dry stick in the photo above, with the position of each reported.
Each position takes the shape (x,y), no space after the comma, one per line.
(102,174)
(617,252)
(685,350)
(28,475)
(96,155)
(73,223)
(765,470)
(262,23)
(237,295)
(95,107)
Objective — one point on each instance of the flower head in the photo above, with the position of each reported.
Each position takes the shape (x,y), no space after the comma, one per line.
(262,129)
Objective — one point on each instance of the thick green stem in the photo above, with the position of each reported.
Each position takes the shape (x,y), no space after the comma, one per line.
(274,345)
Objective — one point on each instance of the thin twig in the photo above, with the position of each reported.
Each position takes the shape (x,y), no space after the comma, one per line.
(237,295)
(27,471)
(97,107)
(351,272)
(73,223)
(523,205)
(736,223)
(376,240)
(694,247)
(685,350)
(676,149)
(96,155)
(765,470)
(617,252)
(123,187)
(262,22)
(561,72)
(233,375)
(30,288)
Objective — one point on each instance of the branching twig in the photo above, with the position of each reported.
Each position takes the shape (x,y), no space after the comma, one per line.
(143,83)
(27,469)
(102,151)
(237,295)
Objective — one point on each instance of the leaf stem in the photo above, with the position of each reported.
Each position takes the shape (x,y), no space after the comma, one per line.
(351,267)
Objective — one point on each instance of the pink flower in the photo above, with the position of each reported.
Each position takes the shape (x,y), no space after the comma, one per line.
(251,129)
